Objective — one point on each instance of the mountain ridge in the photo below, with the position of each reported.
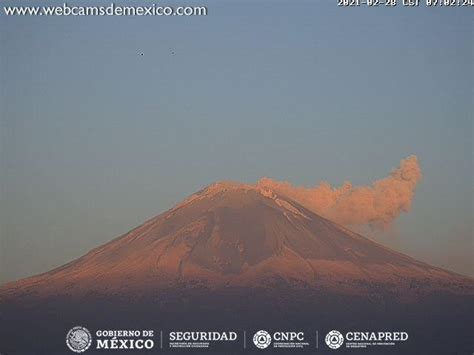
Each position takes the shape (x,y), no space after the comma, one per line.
(239,235)
(232,256)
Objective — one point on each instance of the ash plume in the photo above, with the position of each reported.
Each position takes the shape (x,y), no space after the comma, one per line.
(377,205)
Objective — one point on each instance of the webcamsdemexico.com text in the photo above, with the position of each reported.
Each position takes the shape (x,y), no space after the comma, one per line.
(109,10)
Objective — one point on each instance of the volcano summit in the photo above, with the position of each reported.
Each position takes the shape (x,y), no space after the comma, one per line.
(237,255)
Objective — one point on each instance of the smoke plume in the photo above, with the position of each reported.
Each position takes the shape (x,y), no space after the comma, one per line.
(376,205)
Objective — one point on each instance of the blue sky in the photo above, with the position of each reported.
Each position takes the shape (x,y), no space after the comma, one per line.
(96,138)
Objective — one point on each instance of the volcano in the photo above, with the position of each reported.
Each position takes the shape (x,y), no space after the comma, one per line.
(232,234)
(246,255)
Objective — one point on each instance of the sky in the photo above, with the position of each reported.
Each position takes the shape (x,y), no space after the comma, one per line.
(96,138)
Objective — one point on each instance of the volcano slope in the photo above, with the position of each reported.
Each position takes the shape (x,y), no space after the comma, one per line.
(242,257)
